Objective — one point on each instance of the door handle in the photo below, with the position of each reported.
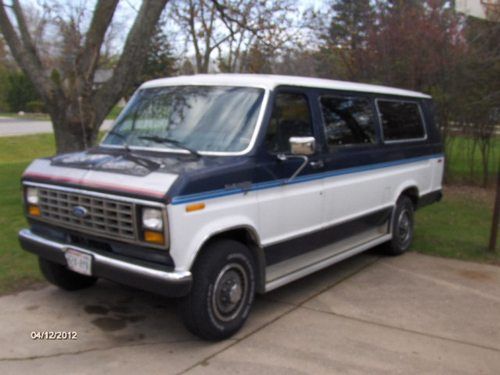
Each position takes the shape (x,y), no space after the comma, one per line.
(317,164)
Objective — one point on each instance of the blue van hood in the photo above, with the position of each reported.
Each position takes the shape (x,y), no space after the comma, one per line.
(116,171)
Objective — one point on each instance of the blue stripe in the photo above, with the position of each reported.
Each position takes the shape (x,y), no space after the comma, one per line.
(300,179)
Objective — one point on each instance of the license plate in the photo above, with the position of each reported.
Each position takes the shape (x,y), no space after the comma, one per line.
(79,262)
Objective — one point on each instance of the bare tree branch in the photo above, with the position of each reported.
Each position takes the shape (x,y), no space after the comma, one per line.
(89,56)
(132,58)
(27,59)
(25,35)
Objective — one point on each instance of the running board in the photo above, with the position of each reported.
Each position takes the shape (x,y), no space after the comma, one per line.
(317,261)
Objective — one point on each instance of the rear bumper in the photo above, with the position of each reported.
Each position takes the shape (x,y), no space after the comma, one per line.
(429,198)
(133,273)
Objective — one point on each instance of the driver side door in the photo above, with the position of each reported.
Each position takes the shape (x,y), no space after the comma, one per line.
(289,210)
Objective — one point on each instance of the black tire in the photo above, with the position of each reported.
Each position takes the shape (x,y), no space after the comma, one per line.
(222,292)
(402,223)
(64,278)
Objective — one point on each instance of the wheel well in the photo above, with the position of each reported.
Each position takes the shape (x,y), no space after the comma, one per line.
(249,239)
(412,193)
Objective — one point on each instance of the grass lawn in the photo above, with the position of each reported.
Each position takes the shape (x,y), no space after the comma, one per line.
(460,152)
(18,269)
(27,116)
(457,227)
(45,117)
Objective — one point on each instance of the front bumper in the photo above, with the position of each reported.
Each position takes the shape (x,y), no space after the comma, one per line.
(116,268)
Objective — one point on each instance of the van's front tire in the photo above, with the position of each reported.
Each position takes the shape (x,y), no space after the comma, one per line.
(64,278)
(222,292)
(402,224)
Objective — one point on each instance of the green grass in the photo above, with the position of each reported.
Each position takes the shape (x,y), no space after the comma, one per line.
(458,226)
(27,116)
(17,268)
(114,112)
(25,148)
(45,117)
(459,153)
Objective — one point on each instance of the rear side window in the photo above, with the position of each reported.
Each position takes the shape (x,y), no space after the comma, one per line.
(291,118)
(348,121)
(400,120)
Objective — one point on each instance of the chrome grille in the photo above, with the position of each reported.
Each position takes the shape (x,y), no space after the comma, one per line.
(112,218)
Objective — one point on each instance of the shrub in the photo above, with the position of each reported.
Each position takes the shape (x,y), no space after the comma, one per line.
(20,92)
(35,106)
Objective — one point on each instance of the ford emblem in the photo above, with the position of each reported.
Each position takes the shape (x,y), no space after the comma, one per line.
(80,212)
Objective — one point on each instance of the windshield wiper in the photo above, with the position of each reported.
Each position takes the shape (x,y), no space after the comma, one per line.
(171,141)
(145,162)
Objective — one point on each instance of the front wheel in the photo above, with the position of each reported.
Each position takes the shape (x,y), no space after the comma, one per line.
(402,227)
(222,292)
(64,278)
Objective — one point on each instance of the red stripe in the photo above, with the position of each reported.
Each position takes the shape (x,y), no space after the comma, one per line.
(93,184)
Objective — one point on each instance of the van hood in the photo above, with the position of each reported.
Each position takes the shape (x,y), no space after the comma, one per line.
(114,172)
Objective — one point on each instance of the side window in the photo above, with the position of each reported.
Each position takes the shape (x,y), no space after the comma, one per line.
(400,120)
(347,121)
(291,117)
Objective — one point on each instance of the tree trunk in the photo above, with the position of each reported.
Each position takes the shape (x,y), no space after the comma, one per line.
(76,108)
(74,125)
(72,136)
(496,215)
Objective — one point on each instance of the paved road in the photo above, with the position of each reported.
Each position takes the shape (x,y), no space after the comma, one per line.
(12,126)
(410,314)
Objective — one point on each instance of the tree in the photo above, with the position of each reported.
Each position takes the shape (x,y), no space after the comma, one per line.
(160,60)
(77,108)
(346,38)
(20,92)
(199,20)
(350,24)
(415,44)
(232,28)
(479,90)
(257,59)
(261,32)
(3,78)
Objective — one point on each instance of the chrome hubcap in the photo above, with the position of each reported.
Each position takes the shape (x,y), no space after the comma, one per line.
(404,226)
(229,292)
(235,293)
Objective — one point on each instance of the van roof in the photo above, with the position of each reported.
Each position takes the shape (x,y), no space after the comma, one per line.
(271,81)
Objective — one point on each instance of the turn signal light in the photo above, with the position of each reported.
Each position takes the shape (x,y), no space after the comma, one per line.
(195,207)
(154,237)
(34,210)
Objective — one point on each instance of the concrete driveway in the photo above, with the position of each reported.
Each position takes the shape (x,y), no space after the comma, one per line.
(370,314)
(14,126)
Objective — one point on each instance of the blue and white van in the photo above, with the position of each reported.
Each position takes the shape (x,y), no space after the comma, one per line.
(212,188)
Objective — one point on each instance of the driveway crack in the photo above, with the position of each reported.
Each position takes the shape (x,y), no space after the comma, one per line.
(420,333)
(83,351)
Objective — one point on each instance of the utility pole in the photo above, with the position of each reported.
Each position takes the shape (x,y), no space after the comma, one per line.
(496,214)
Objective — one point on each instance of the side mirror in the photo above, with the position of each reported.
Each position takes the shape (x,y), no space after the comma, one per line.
(302,145)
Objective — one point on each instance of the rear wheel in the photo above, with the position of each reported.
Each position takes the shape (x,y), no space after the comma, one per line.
(402,227)
(64,278)
(222,292)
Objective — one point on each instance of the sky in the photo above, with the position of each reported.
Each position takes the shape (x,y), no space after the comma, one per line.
(126,12)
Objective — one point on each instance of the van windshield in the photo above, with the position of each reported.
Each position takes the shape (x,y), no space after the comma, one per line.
(200,118)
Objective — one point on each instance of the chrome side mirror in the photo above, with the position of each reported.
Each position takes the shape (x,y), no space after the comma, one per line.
(302,145)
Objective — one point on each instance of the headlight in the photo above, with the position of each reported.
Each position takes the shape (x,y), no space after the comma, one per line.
(152,219)
(32,195)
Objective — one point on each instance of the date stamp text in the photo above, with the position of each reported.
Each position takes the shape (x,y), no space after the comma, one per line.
(54,335)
